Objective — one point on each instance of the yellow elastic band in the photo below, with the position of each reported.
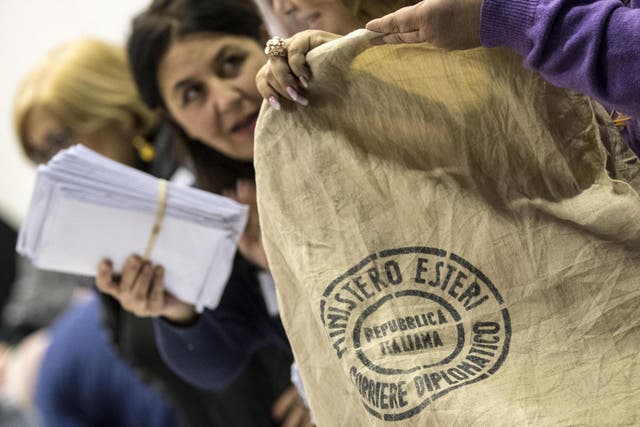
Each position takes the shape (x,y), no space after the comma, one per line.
(619,119)
(162,208)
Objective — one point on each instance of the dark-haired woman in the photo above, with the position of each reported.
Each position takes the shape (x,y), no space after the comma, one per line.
(196,61)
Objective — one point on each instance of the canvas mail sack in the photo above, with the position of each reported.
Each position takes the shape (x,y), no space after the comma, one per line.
(447,246)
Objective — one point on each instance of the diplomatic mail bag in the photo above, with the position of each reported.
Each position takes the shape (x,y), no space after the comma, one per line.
(447,246)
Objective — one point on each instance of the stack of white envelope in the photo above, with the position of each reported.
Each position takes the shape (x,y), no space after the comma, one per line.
(86,207)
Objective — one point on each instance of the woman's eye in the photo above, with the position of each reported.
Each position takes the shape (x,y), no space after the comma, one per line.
(59,139)
(191,94)
(231,65)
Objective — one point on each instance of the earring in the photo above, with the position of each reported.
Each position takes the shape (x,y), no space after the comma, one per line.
(145,150)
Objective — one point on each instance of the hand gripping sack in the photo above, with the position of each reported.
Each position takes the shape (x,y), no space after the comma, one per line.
(447,246)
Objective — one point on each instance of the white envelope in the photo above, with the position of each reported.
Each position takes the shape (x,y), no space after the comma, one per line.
(86,208)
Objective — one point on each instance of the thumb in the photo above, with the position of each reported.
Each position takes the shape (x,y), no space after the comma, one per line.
(400,21)
(381,25)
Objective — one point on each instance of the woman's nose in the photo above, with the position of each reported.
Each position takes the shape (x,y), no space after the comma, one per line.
(225,97)
(225,101)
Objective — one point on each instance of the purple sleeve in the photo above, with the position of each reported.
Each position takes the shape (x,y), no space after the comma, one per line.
(589,46)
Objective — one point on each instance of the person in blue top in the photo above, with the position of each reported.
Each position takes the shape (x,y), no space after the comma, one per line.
(83,383)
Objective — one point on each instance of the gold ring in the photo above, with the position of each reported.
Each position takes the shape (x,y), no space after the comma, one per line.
(276,47)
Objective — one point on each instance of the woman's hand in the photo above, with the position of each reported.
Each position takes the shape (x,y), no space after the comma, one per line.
(290,411)
(287,77)
(250,243)
(140,290)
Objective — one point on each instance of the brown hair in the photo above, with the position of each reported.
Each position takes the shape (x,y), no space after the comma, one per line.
(153,32)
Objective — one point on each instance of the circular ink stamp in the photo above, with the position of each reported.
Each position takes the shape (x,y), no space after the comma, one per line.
(413,324)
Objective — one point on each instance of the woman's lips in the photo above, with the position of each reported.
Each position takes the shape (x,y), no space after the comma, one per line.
(247,126)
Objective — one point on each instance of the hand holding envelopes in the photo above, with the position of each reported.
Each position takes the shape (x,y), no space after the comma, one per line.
(446,244)
(86,207)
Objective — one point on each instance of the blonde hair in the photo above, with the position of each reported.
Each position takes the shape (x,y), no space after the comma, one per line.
(365,10)
(87,85)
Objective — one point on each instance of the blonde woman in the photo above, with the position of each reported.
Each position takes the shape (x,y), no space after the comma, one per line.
(82,92)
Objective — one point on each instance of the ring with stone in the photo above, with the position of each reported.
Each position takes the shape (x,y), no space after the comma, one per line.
(275,47)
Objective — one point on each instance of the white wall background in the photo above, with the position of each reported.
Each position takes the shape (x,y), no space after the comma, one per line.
(28,29)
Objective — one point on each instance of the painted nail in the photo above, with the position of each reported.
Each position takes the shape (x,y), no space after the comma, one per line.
(297,97)
(304,82)
(274,103)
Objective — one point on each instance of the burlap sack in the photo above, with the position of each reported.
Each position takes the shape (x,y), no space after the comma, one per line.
(447,247)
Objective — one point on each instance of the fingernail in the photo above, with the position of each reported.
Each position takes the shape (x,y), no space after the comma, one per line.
(292,93)
(274,103)
(304,82)
(297,97)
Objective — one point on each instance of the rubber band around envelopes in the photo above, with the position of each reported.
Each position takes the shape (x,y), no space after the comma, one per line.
(157,225)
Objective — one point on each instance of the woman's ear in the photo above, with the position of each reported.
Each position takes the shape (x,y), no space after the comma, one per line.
(131,126)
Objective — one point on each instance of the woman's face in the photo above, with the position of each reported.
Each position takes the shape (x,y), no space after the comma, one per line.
(46,135)
(326,15)
(208,85)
